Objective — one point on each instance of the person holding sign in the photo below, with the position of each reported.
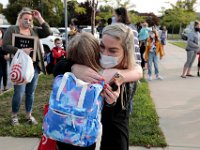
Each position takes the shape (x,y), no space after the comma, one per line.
(24,27)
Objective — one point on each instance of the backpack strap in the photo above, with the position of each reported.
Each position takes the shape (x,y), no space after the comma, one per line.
(82,96)
(78,82)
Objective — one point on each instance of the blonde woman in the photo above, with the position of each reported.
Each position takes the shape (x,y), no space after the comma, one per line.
(117,55)
(24,26)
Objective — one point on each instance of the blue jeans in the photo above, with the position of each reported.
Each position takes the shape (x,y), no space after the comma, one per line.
(153,59)
(29,90)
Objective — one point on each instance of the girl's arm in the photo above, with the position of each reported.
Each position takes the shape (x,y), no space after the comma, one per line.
(130,75)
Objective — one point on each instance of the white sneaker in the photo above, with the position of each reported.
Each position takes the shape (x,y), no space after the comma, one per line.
(158,77)
(150,78)
(14,121)
(31,120)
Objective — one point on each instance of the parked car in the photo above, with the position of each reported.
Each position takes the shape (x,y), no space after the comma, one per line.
(89,29)
(48,42)
(62,30)
(4,27)
(63,35)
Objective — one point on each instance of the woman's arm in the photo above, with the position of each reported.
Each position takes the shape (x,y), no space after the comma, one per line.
(7,41)
(45,30)
(89,75)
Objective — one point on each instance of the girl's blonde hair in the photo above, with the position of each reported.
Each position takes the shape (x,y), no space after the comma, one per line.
(84,49)
(25,10)
(125,35)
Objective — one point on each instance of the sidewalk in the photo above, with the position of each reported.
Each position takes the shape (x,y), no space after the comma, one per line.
(177,103)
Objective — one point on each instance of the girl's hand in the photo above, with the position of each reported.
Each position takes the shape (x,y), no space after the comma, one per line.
(110,96)
(86,73)
(7,57)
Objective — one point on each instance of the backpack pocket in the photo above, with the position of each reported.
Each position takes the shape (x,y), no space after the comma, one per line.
(73,129)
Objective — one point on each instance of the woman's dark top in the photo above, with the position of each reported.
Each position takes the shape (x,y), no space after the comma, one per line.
(114,119)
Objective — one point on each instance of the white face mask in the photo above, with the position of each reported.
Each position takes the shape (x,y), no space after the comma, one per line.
(152,35)
(59,45)
(108,61)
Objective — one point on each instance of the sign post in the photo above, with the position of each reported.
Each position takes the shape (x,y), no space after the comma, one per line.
(66,25)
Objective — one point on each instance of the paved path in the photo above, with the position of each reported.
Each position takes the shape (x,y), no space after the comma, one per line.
(177,103)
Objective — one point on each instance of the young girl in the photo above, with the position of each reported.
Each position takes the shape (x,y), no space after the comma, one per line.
(153,48)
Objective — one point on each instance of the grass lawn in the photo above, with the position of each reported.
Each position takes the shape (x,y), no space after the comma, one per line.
(180,44)
(144,122)
(173,37)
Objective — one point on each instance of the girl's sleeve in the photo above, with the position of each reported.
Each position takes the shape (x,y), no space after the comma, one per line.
(146,51)
(62,66)
(161,50)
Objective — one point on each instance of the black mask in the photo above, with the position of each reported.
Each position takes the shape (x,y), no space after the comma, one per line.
(197,29)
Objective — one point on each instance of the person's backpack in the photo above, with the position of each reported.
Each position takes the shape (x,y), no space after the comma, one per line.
(74,111)
(50,63)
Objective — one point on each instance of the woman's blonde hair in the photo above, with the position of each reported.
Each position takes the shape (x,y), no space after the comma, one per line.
(25,10)
(84,49)
(125,35)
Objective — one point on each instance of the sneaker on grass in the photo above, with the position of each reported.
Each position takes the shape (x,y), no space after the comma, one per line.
(31,120)
(14,121)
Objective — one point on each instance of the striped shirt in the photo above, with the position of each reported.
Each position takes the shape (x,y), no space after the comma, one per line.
(136,44)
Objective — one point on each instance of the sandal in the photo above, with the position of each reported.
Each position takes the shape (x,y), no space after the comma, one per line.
(182,76)
(189,75)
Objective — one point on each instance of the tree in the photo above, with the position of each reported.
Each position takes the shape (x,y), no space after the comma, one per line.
(136,19)
(181,14)
(51,10)
(1,8)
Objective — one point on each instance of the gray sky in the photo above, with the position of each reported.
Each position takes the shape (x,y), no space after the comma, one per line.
(143,5)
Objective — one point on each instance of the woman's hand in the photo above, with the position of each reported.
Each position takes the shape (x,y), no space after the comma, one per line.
(86,73)
(28,50)
(37,15)
(110,96)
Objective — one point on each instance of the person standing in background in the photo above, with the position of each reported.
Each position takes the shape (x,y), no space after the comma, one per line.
(163,36)
(153,48)
(143,36)
(198,65)
(193,46)
(24,26)
(121,16)
(3,64)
